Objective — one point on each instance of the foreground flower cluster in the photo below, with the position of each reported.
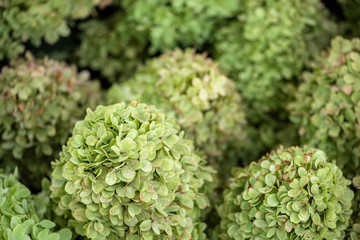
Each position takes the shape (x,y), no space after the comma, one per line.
(151,120)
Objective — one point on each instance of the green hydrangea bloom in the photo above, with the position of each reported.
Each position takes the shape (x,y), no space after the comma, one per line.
(267,45)
(40,101)
(189,87)
(354,230)
(118,51)
(179,23)
(128,173)
(23,20)
(139,29)
(327,104)
(18,217)
(291,193)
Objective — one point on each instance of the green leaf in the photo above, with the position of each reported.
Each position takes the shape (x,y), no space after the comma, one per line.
(115,210)
(91,140)
(111,178)
(69,187)
(128,173)
(134,210)
(316,219)
(47,224)
(127,144)
(270,179)
(101,131)
(272,200)
(146,165)
(145,225)
(18,233)
(171,140)
(260,223)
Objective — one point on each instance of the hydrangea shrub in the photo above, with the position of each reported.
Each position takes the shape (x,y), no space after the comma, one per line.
(179,23)
(190,88)
(18,217)
(354,229)
(40,101)
(267,45)
(291,193)
(140,29)
(118,52)
(22,21)
(128,173)
(327,109)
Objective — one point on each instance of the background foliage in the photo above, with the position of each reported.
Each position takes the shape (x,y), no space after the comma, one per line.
(239,77)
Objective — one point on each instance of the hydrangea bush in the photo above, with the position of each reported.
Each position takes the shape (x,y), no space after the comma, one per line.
(327,109)
(354,230)
(143,167)
(189,87)
(18,216)
(179,23)
(128,173)
(119,50)
(267,45)
(263,50)
(35,20)
(139,29)
(291,193)
(40,101)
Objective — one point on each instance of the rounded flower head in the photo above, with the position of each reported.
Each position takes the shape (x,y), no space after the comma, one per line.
(267,44)
(127,172)
(18,216)
(327,104)
(263,49)
(354,230)
(24,21)
(118,52)
(291,193)
(40,101)
(190,88)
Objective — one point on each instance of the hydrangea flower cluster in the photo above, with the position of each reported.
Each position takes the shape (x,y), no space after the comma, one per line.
(327,109)
(18,216)
(190,87)
(39,105)
(128,173)
(291,193)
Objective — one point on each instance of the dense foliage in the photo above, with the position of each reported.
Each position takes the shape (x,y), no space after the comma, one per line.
(119,50)
(291,193)
(127,172)
(35,20)
(354,231)
(40,101)
(327,108)
(194,91)
(190,88)
(267,45)
(141,28)
(19,219)
(351,13)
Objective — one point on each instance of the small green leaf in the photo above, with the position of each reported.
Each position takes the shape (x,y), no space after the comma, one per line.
(146,165)
(270,179)
(128,173)
(272,200)
(127,144)
(47,224)
(111,178)
(145,225)
(18,233)
(260,223)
